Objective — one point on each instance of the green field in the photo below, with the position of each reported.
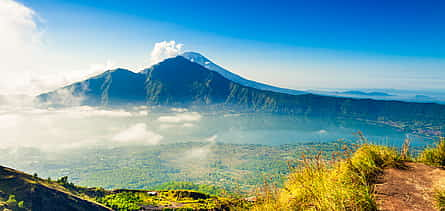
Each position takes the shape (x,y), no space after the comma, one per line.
(229,166)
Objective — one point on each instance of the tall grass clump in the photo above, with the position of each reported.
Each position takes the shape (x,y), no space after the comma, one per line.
(405,154)
(434,156)
(440,200)
(342,185)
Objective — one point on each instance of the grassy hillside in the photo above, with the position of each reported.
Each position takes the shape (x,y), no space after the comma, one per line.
(33,193)
(20,191)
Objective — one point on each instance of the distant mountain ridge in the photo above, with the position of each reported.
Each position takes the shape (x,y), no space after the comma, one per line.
(381,94)
(179,82)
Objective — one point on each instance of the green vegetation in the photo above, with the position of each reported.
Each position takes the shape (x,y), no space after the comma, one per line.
(324,185)
(434,156)
(41,194)
(21,191)
(122,201)
(236,168)
(168,200)
(11,203)
(208,189)
(440,200)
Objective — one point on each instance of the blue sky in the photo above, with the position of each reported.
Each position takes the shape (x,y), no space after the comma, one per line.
(295,44)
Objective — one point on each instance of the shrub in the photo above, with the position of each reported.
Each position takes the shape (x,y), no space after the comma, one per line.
(122,201)
(434,156)
(21,204)
(12,202)
(440,200)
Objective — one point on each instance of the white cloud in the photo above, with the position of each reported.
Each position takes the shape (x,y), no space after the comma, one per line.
(20,41)
(82,112)
(143,113)
(163,50)
(322,131)
(212,139)
(65,97)
(188,125)
(27,65)
(19,28)
(198,153)
(184,125)
(179,110)
(78,126)
(203,152)
(87,111)
(9,121)
(181,117)
(138,133)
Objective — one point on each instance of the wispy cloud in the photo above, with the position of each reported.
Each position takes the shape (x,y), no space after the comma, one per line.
(201,153)
(138,133)
(183,125)
(181,117)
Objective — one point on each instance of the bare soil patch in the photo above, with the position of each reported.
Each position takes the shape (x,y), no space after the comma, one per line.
(411,188)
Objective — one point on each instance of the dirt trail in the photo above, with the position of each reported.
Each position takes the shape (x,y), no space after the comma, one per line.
(409,189)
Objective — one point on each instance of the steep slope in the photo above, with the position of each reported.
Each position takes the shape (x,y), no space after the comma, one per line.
(112,87)
(200,59)
(38,194)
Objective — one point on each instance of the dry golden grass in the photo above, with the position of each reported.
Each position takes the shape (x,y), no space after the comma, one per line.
(342,185)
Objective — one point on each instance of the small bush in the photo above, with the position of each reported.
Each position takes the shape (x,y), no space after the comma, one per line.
(440,200)
(434,156)
(21,204)
(12,202)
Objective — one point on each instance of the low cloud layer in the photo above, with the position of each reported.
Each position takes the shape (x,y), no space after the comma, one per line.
(201,153)
(55,129)
(138,133)
(78,126)
(181,117)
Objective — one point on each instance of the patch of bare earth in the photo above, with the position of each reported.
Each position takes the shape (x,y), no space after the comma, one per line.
(409,189)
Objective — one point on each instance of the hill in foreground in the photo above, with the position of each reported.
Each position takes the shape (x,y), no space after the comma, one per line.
(32,193)
(20,191)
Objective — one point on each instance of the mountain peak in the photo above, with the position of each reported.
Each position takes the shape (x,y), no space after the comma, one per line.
(192,53)
(195,57)
(202,60)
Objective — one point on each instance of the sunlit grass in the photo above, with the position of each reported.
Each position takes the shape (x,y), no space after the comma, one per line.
(434,156)
(343,185)
(440,199)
